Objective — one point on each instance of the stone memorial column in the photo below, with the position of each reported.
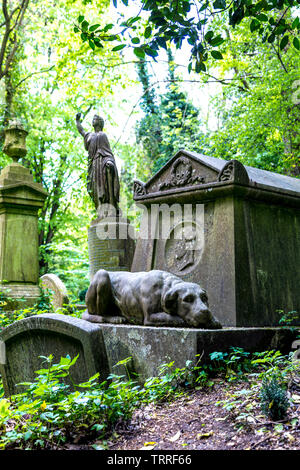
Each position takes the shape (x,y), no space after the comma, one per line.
(20,200)
(110,246)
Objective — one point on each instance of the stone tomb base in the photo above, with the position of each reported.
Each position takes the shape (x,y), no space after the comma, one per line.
(100,347)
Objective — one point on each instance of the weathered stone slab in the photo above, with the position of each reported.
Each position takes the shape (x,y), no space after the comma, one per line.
(102,346)
(151,347)
(24,341)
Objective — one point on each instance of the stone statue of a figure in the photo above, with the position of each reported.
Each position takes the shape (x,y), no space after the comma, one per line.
(103,181)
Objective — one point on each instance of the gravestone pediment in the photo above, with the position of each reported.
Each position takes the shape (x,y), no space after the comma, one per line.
(181,171)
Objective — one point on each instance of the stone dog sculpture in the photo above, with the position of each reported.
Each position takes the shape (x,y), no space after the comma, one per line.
(154,298)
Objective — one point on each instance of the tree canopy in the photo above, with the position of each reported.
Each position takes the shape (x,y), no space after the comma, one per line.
(51,68)
(168,22)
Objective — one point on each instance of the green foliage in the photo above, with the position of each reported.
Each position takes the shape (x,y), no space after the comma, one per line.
(52,409)
(234,364)
(42,306)
(48,411)
(191,21)
(275,372)
(274,400)
(288,318)
(257,108)
(53,77)
(170,123)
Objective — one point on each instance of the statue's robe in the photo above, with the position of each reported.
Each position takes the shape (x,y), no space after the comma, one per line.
(100,153)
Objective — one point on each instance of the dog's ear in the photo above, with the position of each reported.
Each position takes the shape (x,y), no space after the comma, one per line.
(169,301)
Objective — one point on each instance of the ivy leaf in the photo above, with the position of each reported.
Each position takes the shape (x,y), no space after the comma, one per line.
(296,43)
(216,55)
(139,52)
(148,32)
(94,27)
(27,435)
(92,44)
(219,4)
(118,48)
(135,40)
(284,41)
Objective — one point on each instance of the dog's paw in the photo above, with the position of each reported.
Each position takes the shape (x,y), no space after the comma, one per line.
(116,320)
(92,318)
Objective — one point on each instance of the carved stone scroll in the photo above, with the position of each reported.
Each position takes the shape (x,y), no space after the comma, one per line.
(234,171)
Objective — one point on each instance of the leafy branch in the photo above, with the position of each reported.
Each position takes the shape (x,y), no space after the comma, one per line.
(191,21)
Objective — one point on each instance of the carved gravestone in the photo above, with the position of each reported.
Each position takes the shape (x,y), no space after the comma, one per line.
(23,342)
(57,290)
(233,229)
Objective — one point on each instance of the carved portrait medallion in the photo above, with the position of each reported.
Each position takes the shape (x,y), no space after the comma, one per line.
(184,247)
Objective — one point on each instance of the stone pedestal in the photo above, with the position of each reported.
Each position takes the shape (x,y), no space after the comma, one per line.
(110,245)
(20,200)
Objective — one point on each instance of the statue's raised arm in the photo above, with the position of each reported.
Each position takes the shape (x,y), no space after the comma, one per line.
(79,125)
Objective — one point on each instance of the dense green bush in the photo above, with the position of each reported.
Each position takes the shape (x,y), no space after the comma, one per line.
(274,400)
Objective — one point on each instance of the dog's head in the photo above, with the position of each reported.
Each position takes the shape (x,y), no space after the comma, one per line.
(190,302)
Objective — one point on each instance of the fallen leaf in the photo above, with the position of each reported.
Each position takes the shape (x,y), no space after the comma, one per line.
(149,446)
(250,419)
(296,398)
(175,437)
(204,435)
(289,436)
